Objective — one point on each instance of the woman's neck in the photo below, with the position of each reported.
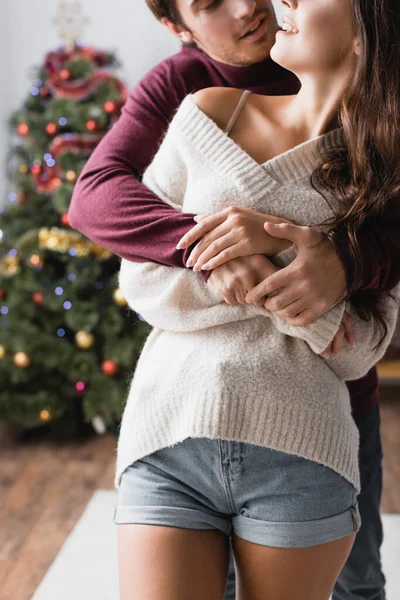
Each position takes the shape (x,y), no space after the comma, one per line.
(314,110)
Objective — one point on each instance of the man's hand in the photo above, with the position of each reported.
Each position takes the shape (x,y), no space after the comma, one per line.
(228,234)
(311,285)
(232,281)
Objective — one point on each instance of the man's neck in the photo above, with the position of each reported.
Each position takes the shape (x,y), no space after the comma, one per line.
(251,76)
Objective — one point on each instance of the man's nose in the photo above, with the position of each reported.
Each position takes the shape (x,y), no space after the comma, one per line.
(244,8)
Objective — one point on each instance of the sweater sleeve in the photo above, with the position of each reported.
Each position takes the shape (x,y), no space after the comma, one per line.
(354,363)
(110,205)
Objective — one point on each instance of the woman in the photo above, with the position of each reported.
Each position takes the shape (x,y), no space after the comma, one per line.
(235,423)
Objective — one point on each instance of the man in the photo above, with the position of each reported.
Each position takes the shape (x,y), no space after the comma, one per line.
(227,43)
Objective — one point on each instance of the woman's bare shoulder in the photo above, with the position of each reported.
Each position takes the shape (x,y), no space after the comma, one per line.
(218,103)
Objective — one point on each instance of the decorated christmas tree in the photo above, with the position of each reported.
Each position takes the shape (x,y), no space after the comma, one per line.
(68,343)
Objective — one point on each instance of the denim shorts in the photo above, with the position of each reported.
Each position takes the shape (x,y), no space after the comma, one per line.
(262,495)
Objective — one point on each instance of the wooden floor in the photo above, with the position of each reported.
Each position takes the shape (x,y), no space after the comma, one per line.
(45,487)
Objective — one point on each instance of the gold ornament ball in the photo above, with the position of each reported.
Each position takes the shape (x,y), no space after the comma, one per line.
(45,415)
(22,360)
(2,352)
(70,176)
(84,340)
(119,298)
(24,169)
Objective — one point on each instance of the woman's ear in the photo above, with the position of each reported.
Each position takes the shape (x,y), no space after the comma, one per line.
(357,47)
(178,31)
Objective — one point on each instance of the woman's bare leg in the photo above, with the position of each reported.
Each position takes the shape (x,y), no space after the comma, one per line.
(288,573)
(170,563)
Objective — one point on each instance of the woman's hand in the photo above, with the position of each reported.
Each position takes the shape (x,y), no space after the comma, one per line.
(228,234)
(234,279)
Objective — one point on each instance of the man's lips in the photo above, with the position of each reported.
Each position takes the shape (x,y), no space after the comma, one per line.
(252,28)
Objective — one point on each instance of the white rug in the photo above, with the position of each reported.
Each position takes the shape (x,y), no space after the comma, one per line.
(86,566)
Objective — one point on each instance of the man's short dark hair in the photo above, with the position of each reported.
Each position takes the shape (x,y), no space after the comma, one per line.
(165,9)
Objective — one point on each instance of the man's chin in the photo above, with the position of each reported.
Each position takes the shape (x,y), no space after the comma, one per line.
(246,59)
(258,51)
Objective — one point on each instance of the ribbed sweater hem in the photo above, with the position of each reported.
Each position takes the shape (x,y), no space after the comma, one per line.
(329,441)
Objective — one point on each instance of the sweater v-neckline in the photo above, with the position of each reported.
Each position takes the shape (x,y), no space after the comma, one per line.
(292,166)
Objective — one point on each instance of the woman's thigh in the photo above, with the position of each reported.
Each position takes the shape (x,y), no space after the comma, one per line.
(288,573)
(169,563)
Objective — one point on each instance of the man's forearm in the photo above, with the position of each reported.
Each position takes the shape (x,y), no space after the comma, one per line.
(144,228)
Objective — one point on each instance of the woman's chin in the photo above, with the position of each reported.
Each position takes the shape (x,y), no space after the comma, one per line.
(280,57)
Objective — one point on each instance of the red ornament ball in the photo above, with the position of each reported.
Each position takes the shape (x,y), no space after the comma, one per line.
(91,125)
(64,220)
(44,91)
(23,129)
(109,107)
(38,298)
(22,198)
(110,368)
(65,74)
(36,169)
(2,294)
(51,128)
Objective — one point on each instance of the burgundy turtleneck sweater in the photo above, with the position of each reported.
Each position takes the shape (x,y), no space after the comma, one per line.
(111,206)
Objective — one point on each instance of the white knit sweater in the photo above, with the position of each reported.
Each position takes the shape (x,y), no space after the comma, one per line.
(238,372)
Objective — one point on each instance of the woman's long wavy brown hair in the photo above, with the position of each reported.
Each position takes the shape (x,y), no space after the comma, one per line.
(365,176)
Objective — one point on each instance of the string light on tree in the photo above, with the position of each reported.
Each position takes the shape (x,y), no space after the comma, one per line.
(98,425)
(2,352)
(23,169)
